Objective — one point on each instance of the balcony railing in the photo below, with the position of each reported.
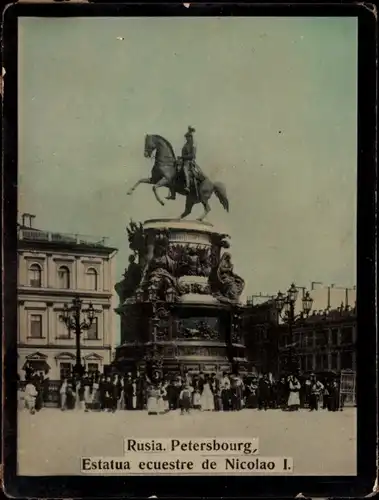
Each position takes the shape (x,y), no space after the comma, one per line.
(74,239)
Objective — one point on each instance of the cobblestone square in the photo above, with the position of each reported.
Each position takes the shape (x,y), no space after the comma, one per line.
(51,442)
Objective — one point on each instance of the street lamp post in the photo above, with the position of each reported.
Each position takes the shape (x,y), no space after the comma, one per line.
(72,317)
(159,309)
(235,335)
(153,299)
(285,305)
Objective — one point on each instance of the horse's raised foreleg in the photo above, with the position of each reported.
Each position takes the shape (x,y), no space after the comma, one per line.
(146,180)
(188,208)
(162,183)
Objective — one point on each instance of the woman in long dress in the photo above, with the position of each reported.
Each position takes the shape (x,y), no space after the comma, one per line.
(162,398)
(70,393)
(63,395)
(207,398)
(87,393)
(152,400)
(30,395)
(77,385)
(121,400)
(134,394)
(294,397)
(166,402)
(95,394)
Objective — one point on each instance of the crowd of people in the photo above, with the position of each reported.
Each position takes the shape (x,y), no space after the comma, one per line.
(185,392)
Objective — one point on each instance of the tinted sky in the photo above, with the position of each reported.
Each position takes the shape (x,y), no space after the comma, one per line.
(273,101)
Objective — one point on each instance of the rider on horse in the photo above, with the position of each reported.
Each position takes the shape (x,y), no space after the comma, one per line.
(187,162)
(188,157)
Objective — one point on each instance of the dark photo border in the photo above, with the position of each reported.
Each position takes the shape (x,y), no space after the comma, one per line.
(225,486)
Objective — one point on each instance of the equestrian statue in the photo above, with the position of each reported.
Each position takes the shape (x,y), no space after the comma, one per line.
(181,175)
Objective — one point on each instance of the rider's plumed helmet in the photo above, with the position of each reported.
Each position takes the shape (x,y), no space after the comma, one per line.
(189,132)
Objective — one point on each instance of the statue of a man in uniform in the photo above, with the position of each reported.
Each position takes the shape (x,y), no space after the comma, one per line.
(188,157)
(188,162)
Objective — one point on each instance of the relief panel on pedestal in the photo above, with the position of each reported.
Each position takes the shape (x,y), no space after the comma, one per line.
(201,351)
(199,328)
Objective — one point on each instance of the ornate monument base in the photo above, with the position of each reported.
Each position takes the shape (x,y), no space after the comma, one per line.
(179,305)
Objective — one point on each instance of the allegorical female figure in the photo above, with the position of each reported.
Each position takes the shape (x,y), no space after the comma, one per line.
(161,269)
(226,284)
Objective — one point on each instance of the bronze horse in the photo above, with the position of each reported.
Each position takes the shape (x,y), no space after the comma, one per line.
(165,173)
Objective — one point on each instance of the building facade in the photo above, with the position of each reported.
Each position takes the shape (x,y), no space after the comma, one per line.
(53,268)
(324,341)
(260,327)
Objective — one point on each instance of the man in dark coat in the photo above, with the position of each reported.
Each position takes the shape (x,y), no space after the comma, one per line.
(315,391)
(45,389)
(225,392)
(282,393)
(38,383)
(128,392)
(173,392)
(264,392)
(333,398)
(29,372)
(108,394)
(215,388)
(236,393)
(141,391)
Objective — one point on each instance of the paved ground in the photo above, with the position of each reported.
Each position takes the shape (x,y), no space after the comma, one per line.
(321,443)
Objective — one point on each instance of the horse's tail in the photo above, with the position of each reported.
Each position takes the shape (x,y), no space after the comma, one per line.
(220,191)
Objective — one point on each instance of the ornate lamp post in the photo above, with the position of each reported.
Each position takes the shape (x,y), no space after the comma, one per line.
(151,296)
(285,305)
(152,292)
(235,335)
(159,309)
(236,325)
(72,317)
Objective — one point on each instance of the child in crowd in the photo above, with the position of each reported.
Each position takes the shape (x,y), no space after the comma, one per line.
(196,399)
(185,399)
(30,396)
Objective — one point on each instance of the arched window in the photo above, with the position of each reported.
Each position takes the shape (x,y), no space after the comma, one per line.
(35,275)
(91,278)
(63,277)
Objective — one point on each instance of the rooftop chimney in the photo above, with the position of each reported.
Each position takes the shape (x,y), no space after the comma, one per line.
(314,283)
(27,219)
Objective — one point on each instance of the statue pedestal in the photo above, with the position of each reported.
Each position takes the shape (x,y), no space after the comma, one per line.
(185,312)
